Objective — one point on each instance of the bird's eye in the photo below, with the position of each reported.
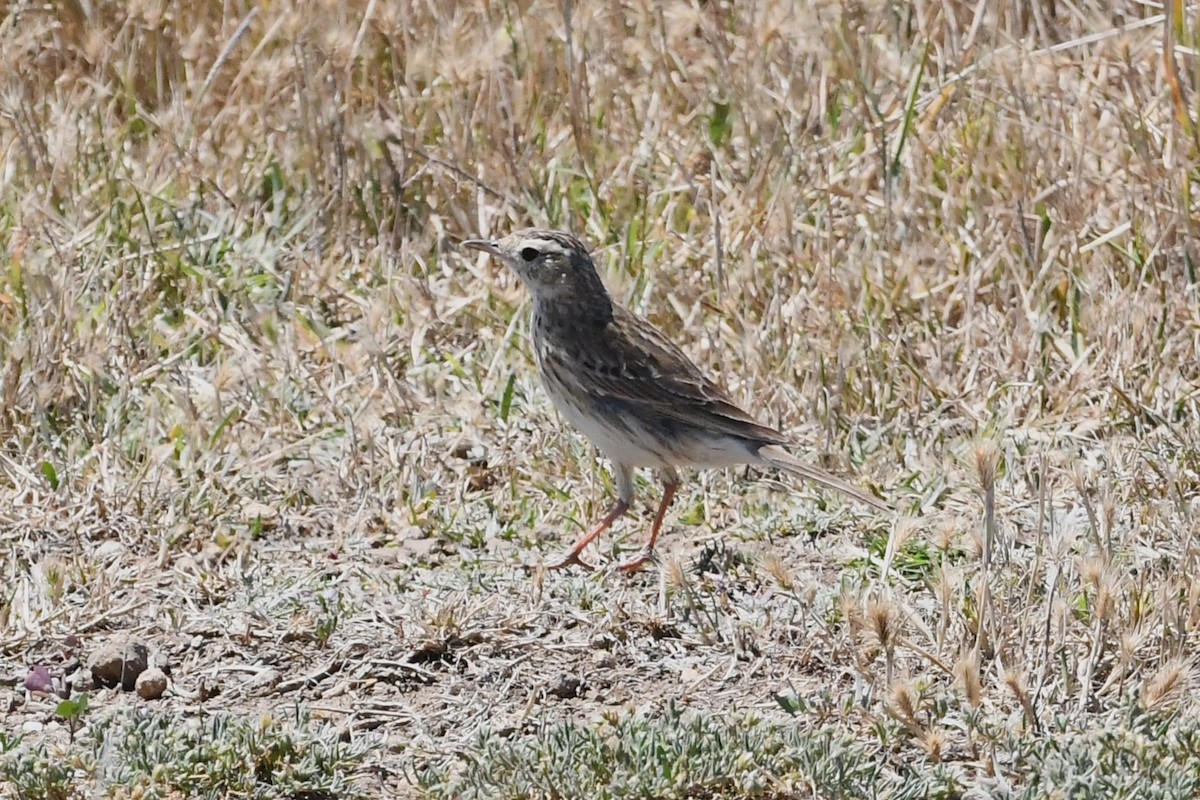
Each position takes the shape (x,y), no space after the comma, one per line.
(529,253)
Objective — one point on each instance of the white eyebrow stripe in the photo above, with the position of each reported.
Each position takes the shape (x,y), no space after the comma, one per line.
(544,245)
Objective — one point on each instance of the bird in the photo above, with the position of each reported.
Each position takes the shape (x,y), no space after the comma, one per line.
(632,392)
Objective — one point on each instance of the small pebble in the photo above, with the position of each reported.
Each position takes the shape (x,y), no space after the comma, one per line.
(151,684)
(119,663)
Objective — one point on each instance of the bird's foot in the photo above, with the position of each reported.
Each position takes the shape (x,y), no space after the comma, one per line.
(637,562)
(569,559)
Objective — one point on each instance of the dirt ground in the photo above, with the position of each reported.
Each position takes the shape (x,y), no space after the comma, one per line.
(260,413)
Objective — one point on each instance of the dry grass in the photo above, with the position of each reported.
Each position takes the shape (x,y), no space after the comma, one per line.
(258,411)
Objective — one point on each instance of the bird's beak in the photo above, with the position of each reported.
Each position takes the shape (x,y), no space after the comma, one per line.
(486,245)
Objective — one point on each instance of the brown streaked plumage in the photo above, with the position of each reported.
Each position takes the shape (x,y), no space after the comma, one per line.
(632,392)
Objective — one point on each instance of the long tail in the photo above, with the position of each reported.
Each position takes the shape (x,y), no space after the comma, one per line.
(778,457)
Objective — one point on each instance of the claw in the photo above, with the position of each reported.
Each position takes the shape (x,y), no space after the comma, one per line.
(637,562)
(569,559)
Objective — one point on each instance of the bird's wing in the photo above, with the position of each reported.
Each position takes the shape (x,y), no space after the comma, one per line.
(633,362)
(638,364)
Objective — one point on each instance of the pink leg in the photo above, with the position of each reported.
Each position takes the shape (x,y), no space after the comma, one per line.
(635,563)
(573,557)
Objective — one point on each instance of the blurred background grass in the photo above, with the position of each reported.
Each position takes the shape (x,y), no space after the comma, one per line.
(948,245)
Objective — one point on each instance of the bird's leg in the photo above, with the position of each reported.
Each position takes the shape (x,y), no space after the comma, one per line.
(670,485)
(625,491)
(573,557)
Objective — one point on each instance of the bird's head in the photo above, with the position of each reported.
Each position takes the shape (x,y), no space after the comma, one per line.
(549,263)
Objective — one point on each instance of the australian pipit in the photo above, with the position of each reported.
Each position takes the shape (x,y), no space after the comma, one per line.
(635,395)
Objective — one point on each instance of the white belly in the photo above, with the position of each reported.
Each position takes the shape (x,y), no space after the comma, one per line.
(635,443)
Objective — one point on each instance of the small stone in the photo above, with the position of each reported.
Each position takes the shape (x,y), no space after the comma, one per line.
(151,684)
(603,641)
(261,514)
(568,686)
(81,680)
(39,679)
(109,551)
(206,691)
(119,663)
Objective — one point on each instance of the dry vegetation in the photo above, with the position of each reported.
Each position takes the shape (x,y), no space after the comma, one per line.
(259,413)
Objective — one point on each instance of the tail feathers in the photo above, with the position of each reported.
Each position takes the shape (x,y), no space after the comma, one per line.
(778,457)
